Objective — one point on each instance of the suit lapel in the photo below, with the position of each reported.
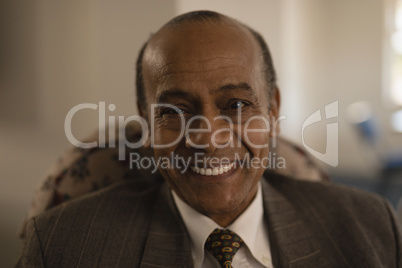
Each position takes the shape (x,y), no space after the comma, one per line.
(168,244)
(295,240)
(292,239)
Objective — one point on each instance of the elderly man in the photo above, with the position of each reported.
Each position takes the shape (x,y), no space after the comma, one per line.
(215,75)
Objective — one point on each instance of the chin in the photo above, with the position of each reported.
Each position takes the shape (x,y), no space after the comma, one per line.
(219,207)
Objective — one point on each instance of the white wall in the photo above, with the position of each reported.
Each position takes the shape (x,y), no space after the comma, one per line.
(335,51)
(323,51)
(337,55)
(55,55)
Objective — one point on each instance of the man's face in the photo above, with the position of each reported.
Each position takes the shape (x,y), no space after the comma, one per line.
(213,71)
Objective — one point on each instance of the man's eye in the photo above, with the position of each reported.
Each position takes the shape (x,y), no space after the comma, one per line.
(237,105)
(172,111)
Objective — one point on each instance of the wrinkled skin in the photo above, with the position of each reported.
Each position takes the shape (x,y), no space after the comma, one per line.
(210,69)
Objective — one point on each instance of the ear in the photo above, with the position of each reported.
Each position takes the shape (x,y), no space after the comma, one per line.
(275,103)
(143,113)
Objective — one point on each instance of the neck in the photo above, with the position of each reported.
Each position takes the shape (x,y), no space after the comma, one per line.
(226,219)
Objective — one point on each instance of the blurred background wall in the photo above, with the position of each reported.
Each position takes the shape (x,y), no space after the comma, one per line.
(57,54)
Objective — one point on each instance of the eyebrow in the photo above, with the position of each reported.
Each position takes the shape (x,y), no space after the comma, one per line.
(177,93)
(229,87)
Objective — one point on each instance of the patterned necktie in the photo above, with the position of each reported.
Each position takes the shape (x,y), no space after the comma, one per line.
(223,244)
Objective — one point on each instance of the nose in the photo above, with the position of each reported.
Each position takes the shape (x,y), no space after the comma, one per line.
(209,133)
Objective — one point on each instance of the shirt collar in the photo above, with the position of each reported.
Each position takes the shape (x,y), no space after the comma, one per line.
(198,226)
(250,226)
(253,232)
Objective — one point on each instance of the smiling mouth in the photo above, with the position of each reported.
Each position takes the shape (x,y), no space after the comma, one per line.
(213,171)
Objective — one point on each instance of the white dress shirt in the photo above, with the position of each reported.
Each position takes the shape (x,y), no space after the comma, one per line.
(250,226)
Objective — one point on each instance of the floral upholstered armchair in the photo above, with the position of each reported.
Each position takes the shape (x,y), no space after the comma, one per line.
(80,171)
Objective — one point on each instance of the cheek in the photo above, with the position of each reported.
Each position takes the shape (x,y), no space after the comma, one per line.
(167,168)
(164,145)
(255,135)
(166,137)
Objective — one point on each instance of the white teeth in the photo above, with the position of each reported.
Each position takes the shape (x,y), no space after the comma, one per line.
(213,171)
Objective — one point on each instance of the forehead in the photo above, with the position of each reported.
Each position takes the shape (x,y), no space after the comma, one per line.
(202,54)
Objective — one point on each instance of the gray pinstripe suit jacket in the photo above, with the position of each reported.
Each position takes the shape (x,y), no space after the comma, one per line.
(137,225)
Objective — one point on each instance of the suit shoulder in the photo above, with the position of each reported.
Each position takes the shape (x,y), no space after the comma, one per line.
(352,220)
(331,195)
(327,189)
(339,206)
(341,193)
(119,200)
(96,226)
